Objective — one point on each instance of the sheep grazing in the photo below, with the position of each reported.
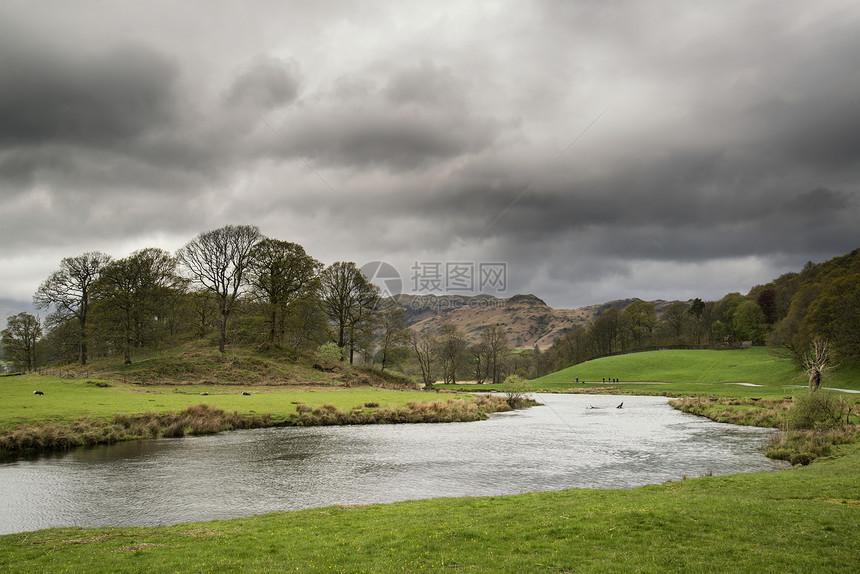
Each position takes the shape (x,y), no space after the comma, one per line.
(38,393)
(246,393)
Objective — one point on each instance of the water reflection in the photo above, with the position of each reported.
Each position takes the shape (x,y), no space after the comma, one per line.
(561,445)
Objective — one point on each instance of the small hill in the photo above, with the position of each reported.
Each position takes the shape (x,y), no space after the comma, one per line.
(747,366)
(197,363)
(527,319)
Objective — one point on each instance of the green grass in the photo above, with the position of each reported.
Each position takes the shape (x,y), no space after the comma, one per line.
(68,399)
(754,365)
(799,520)
(690,372)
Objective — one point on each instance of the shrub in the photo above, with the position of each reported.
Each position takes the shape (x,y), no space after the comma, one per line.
(329,353)
(517,391)
(820,410)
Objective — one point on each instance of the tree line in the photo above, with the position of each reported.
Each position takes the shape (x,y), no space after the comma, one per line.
(233,284)
(228,284)
(791,313)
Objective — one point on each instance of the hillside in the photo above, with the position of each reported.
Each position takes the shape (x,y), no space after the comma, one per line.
(197,363)
(527,319)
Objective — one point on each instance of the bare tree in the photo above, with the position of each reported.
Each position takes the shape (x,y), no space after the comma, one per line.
(675,318)
(452,351)
(424,346)
(480,361)
(495,341)
(218,261)
(349,299)
(816,362)
(395,333)
(68,291)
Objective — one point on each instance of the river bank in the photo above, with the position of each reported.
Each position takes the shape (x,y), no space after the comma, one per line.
(203,418)
(800,520)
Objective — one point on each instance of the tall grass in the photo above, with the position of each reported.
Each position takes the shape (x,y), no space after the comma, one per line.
(452,410)
(804,446)
(758,412)
(810,424)
(815,423)
(87,431)
(205,419)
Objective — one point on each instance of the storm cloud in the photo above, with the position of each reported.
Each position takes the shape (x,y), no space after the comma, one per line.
(601,150)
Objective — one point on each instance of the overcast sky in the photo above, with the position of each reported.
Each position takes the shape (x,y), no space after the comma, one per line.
(600,149)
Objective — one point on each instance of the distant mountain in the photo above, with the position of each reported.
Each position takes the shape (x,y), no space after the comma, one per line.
(527,319)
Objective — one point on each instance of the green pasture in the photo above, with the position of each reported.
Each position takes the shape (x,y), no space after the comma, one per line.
(69,399)
(683,372)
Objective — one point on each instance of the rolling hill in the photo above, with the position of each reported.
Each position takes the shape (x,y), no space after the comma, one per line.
(527,319)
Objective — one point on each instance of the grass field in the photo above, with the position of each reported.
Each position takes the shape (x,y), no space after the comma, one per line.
(68,399)
(804,519)
(703,372)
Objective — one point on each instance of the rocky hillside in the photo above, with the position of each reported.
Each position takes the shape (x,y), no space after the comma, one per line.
(528,320)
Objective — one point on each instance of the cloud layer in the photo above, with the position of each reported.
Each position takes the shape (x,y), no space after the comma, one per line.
(601,150)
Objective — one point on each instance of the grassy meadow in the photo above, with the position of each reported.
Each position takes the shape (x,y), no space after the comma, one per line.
(68,399)
(689,372)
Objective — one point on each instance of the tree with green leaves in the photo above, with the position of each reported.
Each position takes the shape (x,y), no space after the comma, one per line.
(480,361)
(306,324)
(68,291)
(697,310)
(131,293)
(281,273)
(19,340)
(639,318)
(218,261)
(835,315)
(674,318)
(749,322)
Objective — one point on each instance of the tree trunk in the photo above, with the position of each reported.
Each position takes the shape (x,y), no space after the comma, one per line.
(273,328)
(222,336)
(83,322)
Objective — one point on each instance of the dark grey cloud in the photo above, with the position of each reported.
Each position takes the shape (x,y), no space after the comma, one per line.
(602,150)
(265,84)
(59,98)
(405,118)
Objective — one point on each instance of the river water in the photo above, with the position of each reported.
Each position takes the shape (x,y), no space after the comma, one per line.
(560,445)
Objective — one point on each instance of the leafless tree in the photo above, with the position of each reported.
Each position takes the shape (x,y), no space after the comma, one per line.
(424,345)
(394,332)
(218,261)
(495,341)
(68,291)
(349,300)
(816,362)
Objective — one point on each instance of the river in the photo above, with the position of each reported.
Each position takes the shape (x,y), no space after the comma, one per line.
(562,444)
